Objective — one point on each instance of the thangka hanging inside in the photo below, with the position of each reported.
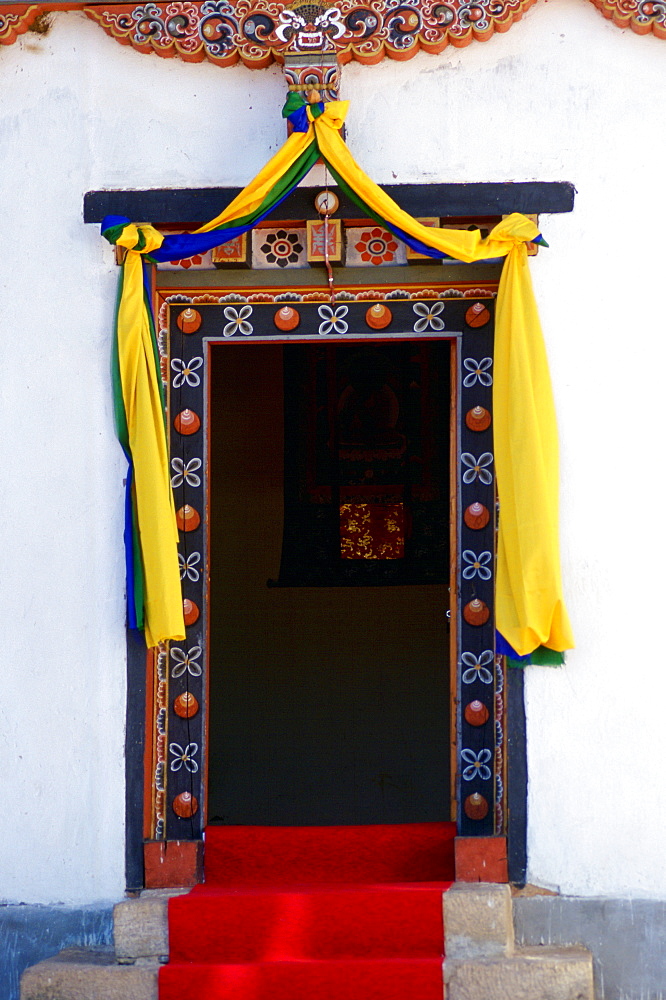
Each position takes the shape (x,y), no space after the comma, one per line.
(531,618)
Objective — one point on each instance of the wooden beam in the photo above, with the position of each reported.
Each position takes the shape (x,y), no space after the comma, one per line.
(198,205)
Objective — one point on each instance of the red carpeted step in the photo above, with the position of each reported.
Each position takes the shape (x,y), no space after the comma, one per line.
(355,979)
(313,913)
(256,855)
(211,925)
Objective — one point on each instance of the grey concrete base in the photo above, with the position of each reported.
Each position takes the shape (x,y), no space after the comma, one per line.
(29,934)
(78,974)
(627,938)
(534,974)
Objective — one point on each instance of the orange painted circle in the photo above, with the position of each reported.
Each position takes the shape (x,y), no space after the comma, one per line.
(475,806)
(476,516)
(186,705)
(476,612)
(378,316)
(478,314)
(190,612)
(476,713)
(478,418)
(287,318)
(189,321)
(187,422)
(185,805)
(187,518)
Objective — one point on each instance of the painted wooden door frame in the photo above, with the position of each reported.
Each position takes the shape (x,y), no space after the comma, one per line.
(175,757)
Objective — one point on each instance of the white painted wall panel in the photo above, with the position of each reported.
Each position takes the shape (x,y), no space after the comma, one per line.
(564,95)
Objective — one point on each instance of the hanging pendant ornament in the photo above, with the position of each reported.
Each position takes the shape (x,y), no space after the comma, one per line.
(327,202)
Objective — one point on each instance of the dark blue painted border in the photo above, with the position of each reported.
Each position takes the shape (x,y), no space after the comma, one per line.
(516,744)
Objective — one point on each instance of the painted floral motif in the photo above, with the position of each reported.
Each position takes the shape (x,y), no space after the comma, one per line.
(188,567)
(282,248)
(477,667)
(238,321)
(185,473)
(186,373)
(333,319)
(477,468)
(429,316)
(376,246)
(477,764)
(188,262)
(477,565)
(186,661)
(478,372)
(184,756)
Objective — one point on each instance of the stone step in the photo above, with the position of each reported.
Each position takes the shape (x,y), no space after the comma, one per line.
(90,974)
(482,962)
(530,974)
(140,927)
(541,973)
(478,921)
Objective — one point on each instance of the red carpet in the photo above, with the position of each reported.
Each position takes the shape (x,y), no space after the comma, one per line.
(313,913)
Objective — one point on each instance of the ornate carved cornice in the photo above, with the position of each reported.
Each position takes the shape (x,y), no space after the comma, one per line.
(260,31)
(642,16)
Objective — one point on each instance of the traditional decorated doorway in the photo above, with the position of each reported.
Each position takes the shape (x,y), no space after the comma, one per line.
(376,300)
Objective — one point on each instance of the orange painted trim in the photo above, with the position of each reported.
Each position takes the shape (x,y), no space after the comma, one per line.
(149,750)
(173,864)
(481,859)
(15,20)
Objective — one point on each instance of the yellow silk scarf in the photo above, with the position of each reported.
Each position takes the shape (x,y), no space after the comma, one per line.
(147,439)
(530,609)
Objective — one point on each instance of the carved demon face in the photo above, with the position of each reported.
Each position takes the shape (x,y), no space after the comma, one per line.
(310,26)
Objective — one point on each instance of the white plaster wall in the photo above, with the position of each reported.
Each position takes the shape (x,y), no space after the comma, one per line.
(63,685)
(564,95)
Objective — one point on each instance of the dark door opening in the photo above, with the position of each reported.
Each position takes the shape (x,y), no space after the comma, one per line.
(329,704)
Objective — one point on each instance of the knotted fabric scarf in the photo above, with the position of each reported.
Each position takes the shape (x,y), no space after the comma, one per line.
(531,618)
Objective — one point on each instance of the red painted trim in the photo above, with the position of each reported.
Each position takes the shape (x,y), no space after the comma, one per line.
(481,859)
(173,864)
(148,749)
